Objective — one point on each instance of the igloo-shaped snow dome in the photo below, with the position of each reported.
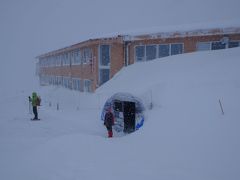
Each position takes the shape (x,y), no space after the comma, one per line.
(128,112)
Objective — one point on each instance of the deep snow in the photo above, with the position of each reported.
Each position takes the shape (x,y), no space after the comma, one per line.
(185,135)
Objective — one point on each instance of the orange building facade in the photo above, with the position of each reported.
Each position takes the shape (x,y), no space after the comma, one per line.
(87,65)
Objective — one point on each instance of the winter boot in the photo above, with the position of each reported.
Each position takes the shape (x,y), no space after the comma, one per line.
(110,134)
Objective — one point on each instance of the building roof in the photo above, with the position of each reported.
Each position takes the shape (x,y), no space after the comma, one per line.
(199,29)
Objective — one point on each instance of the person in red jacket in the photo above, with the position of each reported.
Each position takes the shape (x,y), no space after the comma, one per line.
(109,122)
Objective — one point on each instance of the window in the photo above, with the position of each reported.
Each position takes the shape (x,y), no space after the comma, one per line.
(104,55)
(140,53)
(76,84)
(203,46)
(71,55)
(67,83)
(54,80)
(218,45)
(58,61)
(59,80)
(104,75)
(176,49)
(62,59)
(163,50)
(77,57)
(104,63)
(151,52)
(233,44)
(86,56)
(50,80)
(48,62)
(66,58)
(87,85)
(55,61)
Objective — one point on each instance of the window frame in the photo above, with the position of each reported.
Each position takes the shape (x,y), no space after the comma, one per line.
(156,53)
(87,85)
(86,55)
(76,84)
(144,52)
(170,49)
(226,46)
(234,41)
(204,42)
(169,54)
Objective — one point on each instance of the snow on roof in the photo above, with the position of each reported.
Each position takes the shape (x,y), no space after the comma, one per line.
(197,29)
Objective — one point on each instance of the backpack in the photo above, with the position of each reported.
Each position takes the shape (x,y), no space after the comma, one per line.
(38,101)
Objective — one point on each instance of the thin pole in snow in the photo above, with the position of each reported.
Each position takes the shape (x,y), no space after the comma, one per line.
(29,105)
(221,106)
(151,103)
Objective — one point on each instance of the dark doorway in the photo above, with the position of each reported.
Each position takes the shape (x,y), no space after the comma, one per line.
(118,106)
(129,116)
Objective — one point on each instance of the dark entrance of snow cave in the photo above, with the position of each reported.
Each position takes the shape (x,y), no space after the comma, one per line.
(128,109)
(129,116)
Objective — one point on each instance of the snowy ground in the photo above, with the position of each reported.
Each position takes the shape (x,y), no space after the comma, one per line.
(185,135)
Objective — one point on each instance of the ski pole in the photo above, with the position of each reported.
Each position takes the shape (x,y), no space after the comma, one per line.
(29,105)
(221,107)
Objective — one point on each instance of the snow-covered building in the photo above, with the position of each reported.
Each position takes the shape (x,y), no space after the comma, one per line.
(88,64)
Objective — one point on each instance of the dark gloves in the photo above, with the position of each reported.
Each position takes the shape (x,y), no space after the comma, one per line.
(29,98)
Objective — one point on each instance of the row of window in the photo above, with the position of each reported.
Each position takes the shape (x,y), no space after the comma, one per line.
(75,57)
(204,46)
(150,52)
(67,82)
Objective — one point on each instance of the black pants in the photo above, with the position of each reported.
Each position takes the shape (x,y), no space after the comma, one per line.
(109,128)
(35,112)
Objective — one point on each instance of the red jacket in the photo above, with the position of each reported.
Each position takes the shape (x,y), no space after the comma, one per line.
(109,119)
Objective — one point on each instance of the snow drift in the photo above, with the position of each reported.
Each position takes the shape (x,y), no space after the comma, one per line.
(185,135)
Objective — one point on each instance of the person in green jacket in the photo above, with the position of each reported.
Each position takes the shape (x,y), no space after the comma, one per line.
(34,100)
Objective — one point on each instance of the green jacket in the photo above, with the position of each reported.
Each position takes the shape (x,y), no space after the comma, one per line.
(34,99)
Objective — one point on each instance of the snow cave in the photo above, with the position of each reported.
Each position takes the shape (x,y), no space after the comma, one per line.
(128,112)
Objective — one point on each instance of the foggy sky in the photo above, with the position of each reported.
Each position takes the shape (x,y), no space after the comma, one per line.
(31,27)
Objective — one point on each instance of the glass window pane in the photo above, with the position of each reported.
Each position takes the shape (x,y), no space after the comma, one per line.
(104,75)
(104,55)
(86,56)
(151,52)
(203,46)
(77,57)
(139,53)
(87,85)
(163,50)
(233,44)
(218,45)
(78,84)
(176,49)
